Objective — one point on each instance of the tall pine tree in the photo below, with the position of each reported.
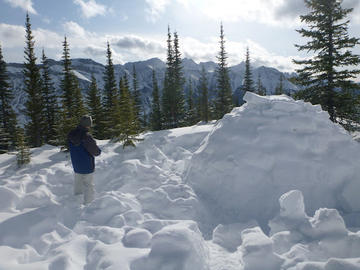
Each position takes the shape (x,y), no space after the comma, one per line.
(179,81)
(34,106)
(5,141)
(23,155)
(155,115)
(224,102)
(94,107)
(79,108)
(128,119)
(173,97)
(50,101)
(204,99)
(248,81)
(72,102)
(325,75)
(7,115)
(111,98)
(167,97)
(191,118)
(136,96)
(66,83)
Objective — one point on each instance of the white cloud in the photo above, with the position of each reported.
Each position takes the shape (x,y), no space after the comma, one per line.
(47,39)
(74,29)
(133,42)
(12,35)
(93,50)
(274,12)
(261,11)
(280,13)
(91,8)
(207,51)
(355,15)
(155,9)
(46,20)
(26,5)
(134,48)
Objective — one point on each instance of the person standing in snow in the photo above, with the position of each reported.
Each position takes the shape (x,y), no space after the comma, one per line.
(83,150)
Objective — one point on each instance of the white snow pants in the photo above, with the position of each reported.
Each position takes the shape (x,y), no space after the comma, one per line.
(84,184)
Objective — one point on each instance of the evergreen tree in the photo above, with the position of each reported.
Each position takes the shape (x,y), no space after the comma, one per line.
(64,126)
(136,96)
(173,98)
(155,115)
(198,106)
(191,107)
(7,114)
(72,103)
(128,119)
(5,141)
(133,103)
(93,102)
(23,151)
(50,101)
(325,76)
(34,105)
(167,96)
(224,94)
(111,99)
(248,81)
(348,110)
(260,90)
(126,83)
(66,83)
(78,109)
(279,90)
(145,119)
(204,99)
(179,80)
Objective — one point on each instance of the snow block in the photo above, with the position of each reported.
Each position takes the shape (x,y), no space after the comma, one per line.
(292,205)
(229,236)
(103,209)
(257,245)
(325,222)
(291,218)
(328,222)
(138,238)
(176,247)
(169,201)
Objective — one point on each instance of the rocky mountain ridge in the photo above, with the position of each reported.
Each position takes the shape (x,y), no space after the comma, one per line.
(84,68)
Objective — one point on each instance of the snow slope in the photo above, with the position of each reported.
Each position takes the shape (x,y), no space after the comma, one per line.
(176,202)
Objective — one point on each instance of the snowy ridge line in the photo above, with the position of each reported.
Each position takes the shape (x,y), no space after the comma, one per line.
(206,197)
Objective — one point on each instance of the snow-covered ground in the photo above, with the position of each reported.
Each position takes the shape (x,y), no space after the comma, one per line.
(267,187)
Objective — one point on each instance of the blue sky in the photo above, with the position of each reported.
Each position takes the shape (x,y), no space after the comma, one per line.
(137,29)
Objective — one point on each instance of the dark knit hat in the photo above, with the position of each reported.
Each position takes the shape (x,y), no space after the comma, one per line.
(86,121)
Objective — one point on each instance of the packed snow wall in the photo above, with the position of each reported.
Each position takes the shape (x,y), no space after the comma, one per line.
(269,146)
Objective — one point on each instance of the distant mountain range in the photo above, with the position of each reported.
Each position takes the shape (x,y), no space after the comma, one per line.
(84,68)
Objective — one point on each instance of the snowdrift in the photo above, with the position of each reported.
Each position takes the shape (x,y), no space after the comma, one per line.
(192,198)
(269,146)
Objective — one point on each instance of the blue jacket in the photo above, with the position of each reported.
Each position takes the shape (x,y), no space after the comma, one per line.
(83,148)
